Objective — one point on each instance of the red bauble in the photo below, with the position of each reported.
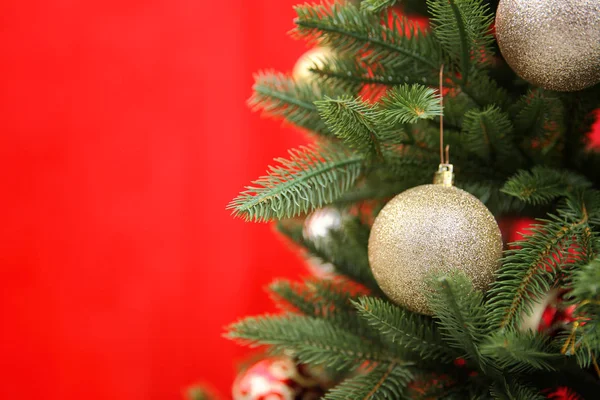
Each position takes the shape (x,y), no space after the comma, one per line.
(563,393)
(514,228)
(277,379)
(594,135)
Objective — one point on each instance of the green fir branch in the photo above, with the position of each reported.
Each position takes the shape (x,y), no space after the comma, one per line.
(348,30)
(312,177)
(461,314)
(311,340)
(354,122)
(488,134)
(456,106)
(395,44)
(280,96)
(415,334)
(409,104)
(346,250)
(539,119)
(328,299)
(344,72)
(375,6)
(463,29)
(583,339)
(542,185)
(351,75)
(528,272)
(376,145)
(465,54)
(383,382)
(520,352)
(485,91)
(586,285)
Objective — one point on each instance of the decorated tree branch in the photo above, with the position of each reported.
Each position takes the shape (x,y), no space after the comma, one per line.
(425,138)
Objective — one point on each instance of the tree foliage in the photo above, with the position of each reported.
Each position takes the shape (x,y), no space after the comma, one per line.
(310,178)
(374,108)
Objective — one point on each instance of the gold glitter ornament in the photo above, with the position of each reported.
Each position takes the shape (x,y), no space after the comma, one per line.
(554,44)
(432,228)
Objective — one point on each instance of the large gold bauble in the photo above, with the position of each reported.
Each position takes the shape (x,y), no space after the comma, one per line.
(554,44)
(432,228)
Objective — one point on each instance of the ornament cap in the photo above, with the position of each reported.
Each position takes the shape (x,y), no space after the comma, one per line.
(444,175)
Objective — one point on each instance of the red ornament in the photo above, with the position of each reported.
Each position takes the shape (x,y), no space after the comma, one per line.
(514,229)
(277,379)
(460,362)
(594,135)
(563,393)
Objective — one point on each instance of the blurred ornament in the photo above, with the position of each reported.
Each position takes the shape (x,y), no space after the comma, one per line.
(521,227)
(562,393)
(318,227)
(554,44)
(320,269)
(594,134)
(432,228)
(313,58)
(514,229)
(279,379)
(549,314)
(319,224)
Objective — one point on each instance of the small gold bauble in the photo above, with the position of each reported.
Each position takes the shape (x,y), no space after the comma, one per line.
(432,228)
(554,44)
(311,59)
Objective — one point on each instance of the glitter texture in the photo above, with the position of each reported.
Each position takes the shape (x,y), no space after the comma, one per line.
(432,228)
(554,44)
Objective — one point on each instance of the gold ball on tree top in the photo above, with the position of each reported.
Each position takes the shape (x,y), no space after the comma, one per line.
(427,229)
(554,44)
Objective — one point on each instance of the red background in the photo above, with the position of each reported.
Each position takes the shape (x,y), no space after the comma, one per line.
(124,135)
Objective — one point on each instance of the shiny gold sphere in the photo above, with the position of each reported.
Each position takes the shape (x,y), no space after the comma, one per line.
(310,59)
(432,228)
(554,44)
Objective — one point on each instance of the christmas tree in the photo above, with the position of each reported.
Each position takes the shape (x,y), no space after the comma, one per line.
(437,307)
